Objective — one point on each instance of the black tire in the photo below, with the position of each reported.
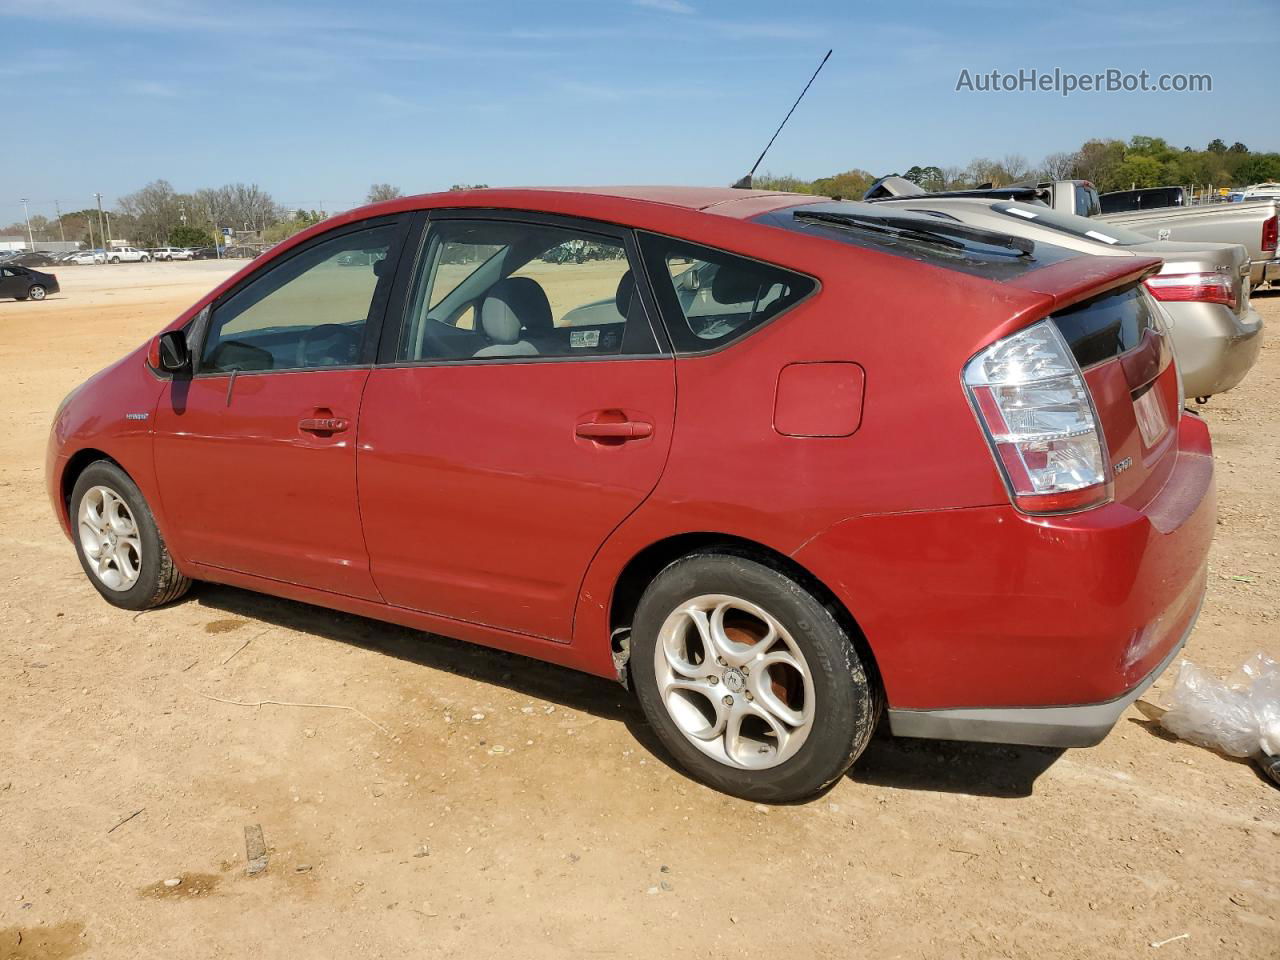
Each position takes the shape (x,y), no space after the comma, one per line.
(159,581)
(847,699)
(114,260)
(36,291)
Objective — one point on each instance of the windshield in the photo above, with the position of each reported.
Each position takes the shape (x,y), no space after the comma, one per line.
(1068,223)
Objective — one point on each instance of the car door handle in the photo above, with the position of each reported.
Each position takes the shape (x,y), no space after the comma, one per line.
(323,424)
(626,430)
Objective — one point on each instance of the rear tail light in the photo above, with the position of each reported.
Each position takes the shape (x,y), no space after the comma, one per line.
(1198,287)
(1038,417)
(1270,233)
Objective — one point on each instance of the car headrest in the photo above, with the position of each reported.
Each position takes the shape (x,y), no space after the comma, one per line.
(626,289)
(734,285)
(513,305)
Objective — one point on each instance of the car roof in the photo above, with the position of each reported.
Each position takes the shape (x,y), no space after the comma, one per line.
(725,201)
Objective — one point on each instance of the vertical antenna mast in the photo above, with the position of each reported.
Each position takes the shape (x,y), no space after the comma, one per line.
(745,182)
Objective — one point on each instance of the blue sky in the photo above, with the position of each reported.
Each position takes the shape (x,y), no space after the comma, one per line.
(315,100)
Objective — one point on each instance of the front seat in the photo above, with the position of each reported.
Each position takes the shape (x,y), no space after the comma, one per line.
(511,309)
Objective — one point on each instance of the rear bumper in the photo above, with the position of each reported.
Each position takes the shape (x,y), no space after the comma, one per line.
(1265,270)
(1215,348)
(1083,725)
(990,624)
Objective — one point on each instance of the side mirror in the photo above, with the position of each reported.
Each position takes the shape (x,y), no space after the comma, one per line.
(175,356)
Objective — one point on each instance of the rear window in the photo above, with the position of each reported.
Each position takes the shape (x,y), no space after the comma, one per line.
(1107,326)
(972,257)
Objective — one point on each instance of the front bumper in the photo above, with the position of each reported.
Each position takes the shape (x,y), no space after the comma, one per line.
(1083,725)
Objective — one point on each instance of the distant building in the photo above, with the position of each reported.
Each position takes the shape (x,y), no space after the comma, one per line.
(44,246)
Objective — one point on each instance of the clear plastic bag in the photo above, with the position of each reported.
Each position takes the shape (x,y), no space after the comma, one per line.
(1240,717)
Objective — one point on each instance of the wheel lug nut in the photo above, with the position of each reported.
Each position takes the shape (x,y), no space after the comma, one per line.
(727,701)
(744,671)
(748,695)
(722,661)
(713,680)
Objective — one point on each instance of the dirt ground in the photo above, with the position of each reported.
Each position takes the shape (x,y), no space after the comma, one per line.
(470,803)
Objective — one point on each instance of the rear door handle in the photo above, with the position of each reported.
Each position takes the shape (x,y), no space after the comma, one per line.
(626,430)
(323,424)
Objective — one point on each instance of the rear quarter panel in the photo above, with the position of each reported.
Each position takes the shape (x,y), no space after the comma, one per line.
(910,328)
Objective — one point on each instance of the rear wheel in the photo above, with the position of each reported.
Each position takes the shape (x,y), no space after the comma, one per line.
(115,259)
(118,543)
(36,292)
(748,679)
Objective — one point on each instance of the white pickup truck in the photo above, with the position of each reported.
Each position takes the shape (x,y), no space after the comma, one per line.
(127,255)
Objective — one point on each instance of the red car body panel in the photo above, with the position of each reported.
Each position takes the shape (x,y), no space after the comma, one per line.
(963,600)
(526,502)
(286,508)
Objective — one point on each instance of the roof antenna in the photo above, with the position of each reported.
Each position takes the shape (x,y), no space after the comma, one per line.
(745,182)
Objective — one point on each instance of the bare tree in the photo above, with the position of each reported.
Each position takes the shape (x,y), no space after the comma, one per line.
(155,211)
(237,204)
(1015,167)
(382,191)
(1060,166)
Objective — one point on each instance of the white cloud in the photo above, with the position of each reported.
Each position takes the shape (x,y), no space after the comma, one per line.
(666,6)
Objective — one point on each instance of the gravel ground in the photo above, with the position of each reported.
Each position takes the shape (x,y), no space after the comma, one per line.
(476,804)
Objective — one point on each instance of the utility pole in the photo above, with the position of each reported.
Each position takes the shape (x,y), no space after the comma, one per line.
(62,230)
(92,246)
(217,249)
(102,230)
(30,239)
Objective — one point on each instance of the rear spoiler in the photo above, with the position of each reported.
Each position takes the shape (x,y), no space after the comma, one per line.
(1082,278)
(895,188)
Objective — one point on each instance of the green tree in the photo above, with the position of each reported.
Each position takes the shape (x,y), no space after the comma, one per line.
(1139,171)
(188,236)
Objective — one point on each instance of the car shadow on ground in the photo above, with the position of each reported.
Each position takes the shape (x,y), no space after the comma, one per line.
(977,769)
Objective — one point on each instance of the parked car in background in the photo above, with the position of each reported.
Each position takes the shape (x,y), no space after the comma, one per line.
(204,253)
(35,258)
(24,283)
(1262,191)
(1079,197)
(1148,198)
(86,257)
(1254,224)
(171,253)
(751,568)
(128,255)
(240,252)
(1204,287)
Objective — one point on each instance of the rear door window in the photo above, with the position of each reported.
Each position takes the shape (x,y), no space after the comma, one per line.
(710,298)
(513,290)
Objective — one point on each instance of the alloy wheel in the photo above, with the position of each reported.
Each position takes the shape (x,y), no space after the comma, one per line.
(109,537)
(37,292)
(734,682)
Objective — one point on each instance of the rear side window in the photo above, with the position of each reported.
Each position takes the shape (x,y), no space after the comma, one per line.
(710,298)
(1107,326)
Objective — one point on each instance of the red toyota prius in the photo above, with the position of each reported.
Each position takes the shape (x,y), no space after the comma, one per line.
(780,464)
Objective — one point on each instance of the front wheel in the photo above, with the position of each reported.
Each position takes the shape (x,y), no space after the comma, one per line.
(748,679)
(146,260)
(115,260)
(118,543)
(36,292)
